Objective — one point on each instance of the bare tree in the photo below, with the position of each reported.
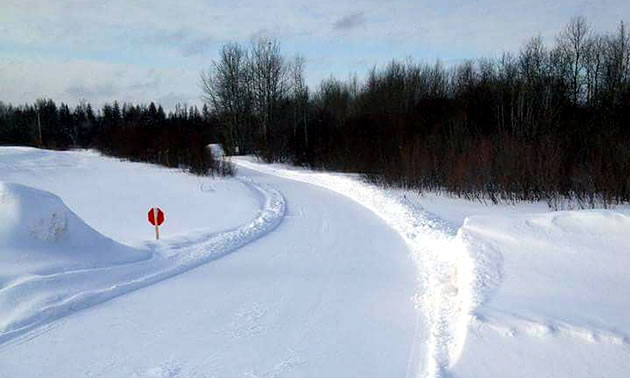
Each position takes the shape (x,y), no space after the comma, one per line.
(300,97)
(594,63)
(617,72)
(573,42)
(270,78)
(226,89)
(532,60)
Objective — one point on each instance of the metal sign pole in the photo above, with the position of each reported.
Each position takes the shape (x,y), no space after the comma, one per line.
(157,228)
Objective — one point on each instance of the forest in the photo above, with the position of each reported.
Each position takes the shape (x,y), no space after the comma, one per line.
(134,132)
(543,123)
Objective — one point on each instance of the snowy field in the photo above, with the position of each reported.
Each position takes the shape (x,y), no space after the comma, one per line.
(283,272)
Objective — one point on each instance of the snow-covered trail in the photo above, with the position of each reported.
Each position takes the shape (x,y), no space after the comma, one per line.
(445,271)
(328,293)
(330,276)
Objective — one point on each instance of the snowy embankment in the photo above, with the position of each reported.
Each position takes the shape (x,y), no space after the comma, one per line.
(551,295)
(516,291)
(52,263)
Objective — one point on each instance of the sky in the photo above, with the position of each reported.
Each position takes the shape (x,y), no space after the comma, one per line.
(154,50)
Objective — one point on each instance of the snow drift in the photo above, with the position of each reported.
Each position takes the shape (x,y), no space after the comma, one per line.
(40,235)
(548,289)
(53,264)
(572,266)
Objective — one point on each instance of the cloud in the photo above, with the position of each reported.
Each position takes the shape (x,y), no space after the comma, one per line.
(149,49)
(95,91)
(350,21)
(198,46)
(164,37)
(71,81)
(185,41)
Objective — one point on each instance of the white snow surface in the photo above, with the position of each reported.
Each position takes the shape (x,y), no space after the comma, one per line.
(113,196)
(441,328)
(331,277)
(327,293)
(551,294)
(39,235)
(507,290)
(55,264)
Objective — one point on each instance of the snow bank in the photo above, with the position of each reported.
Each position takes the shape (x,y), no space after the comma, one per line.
(547,290)
(40,235)
(216,150)
(53,264)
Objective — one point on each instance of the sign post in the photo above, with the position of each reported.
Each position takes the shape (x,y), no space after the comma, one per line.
(156,218)
(157,227)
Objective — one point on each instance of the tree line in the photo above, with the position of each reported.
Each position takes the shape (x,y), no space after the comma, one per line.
(544,123)
(146,133)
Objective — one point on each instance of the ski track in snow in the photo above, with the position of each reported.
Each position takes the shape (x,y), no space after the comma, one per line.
(511,325)
(169,258)
(446,271)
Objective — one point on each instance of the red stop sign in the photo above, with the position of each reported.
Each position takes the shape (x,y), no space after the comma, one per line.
(152,216)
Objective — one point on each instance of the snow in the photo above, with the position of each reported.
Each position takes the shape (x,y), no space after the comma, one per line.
(328,292)
(558,298)
(331,276)
(40,235)
(55,264)
(547,290)
(113,196)
(428,240)
(217,151)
